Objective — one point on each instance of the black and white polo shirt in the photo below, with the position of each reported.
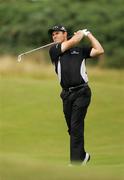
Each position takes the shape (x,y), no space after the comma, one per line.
(70,65)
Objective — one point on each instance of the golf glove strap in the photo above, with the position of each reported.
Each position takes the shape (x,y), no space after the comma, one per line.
(85,32)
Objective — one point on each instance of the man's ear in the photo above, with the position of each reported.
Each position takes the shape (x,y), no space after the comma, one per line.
(65,34)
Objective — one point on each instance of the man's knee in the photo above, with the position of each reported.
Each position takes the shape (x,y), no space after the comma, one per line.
(76,132)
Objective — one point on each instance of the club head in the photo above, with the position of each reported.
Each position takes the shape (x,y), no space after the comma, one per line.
(19,58)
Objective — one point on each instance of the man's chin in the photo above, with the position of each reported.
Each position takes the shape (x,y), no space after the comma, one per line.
(57,41)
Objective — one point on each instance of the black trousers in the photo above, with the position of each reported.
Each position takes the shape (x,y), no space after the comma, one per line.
(75,106)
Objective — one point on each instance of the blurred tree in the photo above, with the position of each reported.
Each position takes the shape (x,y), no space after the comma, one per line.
(24,24)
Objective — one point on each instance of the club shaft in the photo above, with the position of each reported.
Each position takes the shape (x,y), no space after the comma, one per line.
(47,45)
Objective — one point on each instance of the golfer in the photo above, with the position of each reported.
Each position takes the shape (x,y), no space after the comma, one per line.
(69,61)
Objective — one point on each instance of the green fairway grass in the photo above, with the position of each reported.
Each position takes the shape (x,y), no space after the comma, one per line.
(34,144)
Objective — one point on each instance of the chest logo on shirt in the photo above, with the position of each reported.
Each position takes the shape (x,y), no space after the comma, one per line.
(74,52)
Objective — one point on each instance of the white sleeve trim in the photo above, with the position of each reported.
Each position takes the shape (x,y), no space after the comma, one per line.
(83,71)
(59,70)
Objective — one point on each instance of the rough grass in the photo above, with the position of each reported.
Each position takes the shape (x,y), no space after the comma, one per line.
(33,139)
(33,67)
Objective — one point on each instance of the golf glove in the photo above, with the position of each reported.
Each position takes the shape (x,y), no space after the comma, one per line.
(85,32)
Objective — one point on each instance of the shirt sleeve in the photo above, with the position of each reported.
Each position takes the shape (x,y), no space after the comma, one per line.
(86,51)
(55,52)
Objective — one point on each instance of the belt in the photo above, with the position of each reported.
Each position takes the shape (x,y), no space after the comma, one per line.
(75,88)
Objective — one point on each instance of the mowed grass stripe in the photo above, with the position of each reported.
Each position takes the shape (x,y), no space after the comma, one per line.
(34,143)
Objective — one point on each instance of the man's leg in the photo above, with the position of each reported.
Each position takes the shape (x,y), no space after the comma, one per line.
(67,108)
(79,110)
(77,151)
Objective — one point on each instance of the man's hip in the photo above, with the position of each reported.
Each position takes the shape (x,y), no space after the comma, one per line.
(73,93)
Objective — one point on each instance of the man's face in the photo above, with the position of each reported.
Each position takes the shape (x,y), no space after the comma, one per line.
(59,36)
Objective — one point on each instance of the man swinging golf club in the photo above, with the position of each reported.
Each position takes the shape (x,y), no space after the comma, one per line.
(69,61)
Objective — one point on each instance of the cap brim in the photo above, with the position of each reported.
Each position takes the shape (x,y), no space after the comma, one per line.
(50,31)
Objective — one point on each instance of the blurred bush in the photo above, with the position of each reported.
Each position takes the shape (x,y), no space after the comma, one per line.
(24,24)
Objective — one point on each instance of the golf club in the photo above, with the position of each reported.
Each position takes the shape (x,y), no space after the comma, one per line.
(47,45)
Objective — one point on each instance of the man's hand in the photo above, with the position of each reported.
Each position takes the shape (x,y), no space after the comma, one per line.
(79,33)
(85,32)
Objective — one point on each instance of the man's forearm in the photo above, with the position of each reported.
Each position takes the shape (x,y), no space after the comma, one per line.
(97,49)
(94,42)
(78,36)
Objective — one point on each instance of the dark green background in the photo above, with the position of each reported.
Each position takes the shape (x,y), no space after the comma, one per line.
(24,24)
